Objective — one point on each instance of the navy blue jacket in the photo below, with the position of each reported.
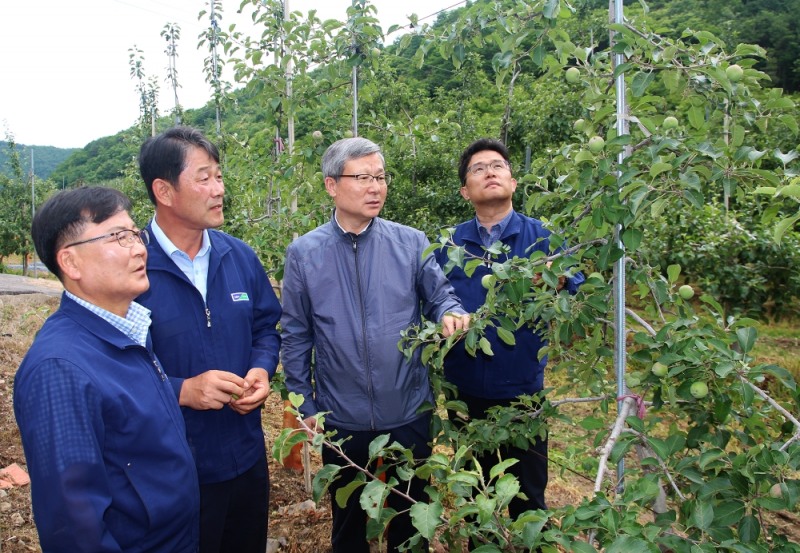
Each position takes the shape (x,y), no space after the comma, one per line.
(104,442)
(235,330)
(512,370)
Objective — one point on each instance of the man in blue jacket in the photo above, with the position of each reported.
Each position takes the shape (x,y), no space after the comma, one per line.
(104,438)
(486,381)
(214,329)
(350,287)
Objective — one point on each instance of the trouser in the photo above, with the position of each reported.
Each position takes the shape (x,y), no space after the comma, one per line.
(234,514)
(349,531)
(531,470)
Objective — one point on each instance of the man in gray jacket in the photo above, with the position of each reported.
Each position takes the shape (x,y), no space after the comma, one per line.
(350,287)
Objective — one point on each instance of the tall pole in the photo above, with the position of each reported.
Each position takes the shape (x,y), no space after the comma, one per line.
(33,207)
(214,65)
(289,93)
(619,267)
(355,85)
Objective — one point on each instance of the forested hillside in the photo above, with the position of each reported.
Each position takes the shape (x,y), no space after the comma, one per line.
(45,159)
(772,24)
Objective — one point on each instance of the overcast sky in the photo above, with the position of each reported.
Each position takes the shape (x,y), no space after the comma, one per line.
(64,72)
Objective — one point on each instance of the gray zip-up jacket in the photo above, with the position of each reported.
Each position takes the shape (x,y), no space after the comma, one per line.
(346,298)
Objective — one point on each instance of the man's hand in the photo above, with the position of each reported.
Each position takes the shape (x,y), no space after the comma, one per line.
(256,390)
(452,322)
(314,427)
(211,390)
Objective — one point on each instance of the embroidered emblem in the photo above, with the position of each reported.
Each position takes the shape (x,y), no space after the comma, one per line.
(240,296)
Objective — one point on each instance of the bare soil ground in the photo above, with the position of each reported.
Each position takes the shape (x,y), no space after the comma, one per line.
(298,529)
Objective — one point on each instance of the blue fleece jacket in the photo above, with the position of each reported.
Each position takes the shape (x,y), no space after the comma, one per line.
(104,442)
(512,370)
(234,330)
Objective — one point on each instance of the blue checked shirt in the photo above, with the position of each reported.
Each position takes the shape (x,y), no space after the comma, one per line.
(489,238)
(135,325)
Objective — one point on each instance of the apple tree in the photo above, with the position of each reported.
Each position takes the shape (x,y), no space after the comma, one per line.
(701,451)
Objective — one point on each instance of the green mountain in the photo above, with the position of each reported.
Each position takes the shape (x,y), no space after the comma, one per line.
(244,110)
(45,159)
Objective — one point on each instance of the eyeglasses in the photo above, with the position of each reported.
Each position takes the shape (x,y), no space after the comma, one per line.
(480,168)
(126,238)
(366,179)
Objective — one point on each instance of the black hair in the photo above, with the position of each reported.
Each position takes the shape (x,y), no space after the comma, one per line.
(164,156)
(62,218)
(479,145)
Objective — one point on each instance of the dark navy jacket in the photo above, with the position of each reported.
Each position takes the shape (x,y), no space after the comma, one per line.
(104,442)
(234,331)
(512,370)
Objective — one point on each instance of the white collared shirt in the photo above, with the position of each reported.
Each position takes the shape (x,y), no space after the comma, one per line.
(196,270)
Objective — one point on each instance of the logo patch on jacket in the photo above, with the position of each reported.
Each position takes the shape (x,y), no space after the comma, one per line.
(240,296)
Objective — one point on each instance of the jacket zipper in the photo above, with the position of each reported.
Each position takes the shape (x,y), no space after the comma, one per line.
(364,332)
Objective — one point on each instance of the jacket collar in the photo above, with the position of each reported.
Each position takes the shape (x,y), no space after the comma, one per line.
(95,324)
(157,258)
(470,229)
(339,231)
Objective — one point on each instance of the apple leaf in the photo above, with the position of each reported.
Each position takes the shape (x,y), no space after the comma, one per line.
(426,517)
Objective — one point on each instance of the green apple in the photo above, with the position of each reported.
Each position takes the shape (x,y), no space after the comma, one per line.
(579,125)
(632,380)
(775,491)
(659,369)
(487,281)
(348,133)
(596,144)
(734,73)
(572,75)
(317,136)
(686,292)
(670,122)
(698,389)
(376,51)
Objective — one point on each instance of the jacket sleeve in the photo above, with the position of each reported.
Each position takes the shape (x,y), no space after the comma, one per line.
(59,412)
(297,331)
(435,291)
(266,315)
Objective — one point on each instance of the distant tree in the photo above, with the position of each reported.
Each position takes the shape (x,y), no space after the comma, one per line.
(16,206)
(172,34)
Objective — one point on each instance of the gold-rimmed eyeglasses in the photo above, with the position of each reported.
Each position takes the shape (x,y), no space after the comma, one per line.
(126,238)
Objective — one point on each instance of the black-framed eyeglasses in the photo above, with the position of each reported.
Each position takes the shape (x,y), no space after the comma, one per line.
(480,168)
(366,179)
(126,238)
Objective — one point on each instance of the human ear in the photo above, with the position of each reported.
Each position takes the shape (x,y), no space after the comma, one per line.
(162,190)
(68,263)
(330,186)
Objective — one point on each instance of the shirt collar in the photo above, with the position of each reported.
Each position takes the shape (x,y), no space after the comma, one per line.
(489,237)
(169,247)
(135,325)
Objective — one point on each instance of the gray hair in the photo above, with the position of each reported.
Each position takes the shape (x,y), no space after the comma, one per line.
(342,151)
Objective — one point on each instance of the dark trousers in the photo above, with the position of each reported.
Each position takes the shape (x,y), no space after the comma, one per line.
(531,470)
(349,531)
(234,514)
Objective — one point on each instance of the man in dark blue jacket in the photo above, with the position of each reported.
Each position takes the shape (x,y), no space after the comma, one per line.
(487,381)
(214,328)
(104,438)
